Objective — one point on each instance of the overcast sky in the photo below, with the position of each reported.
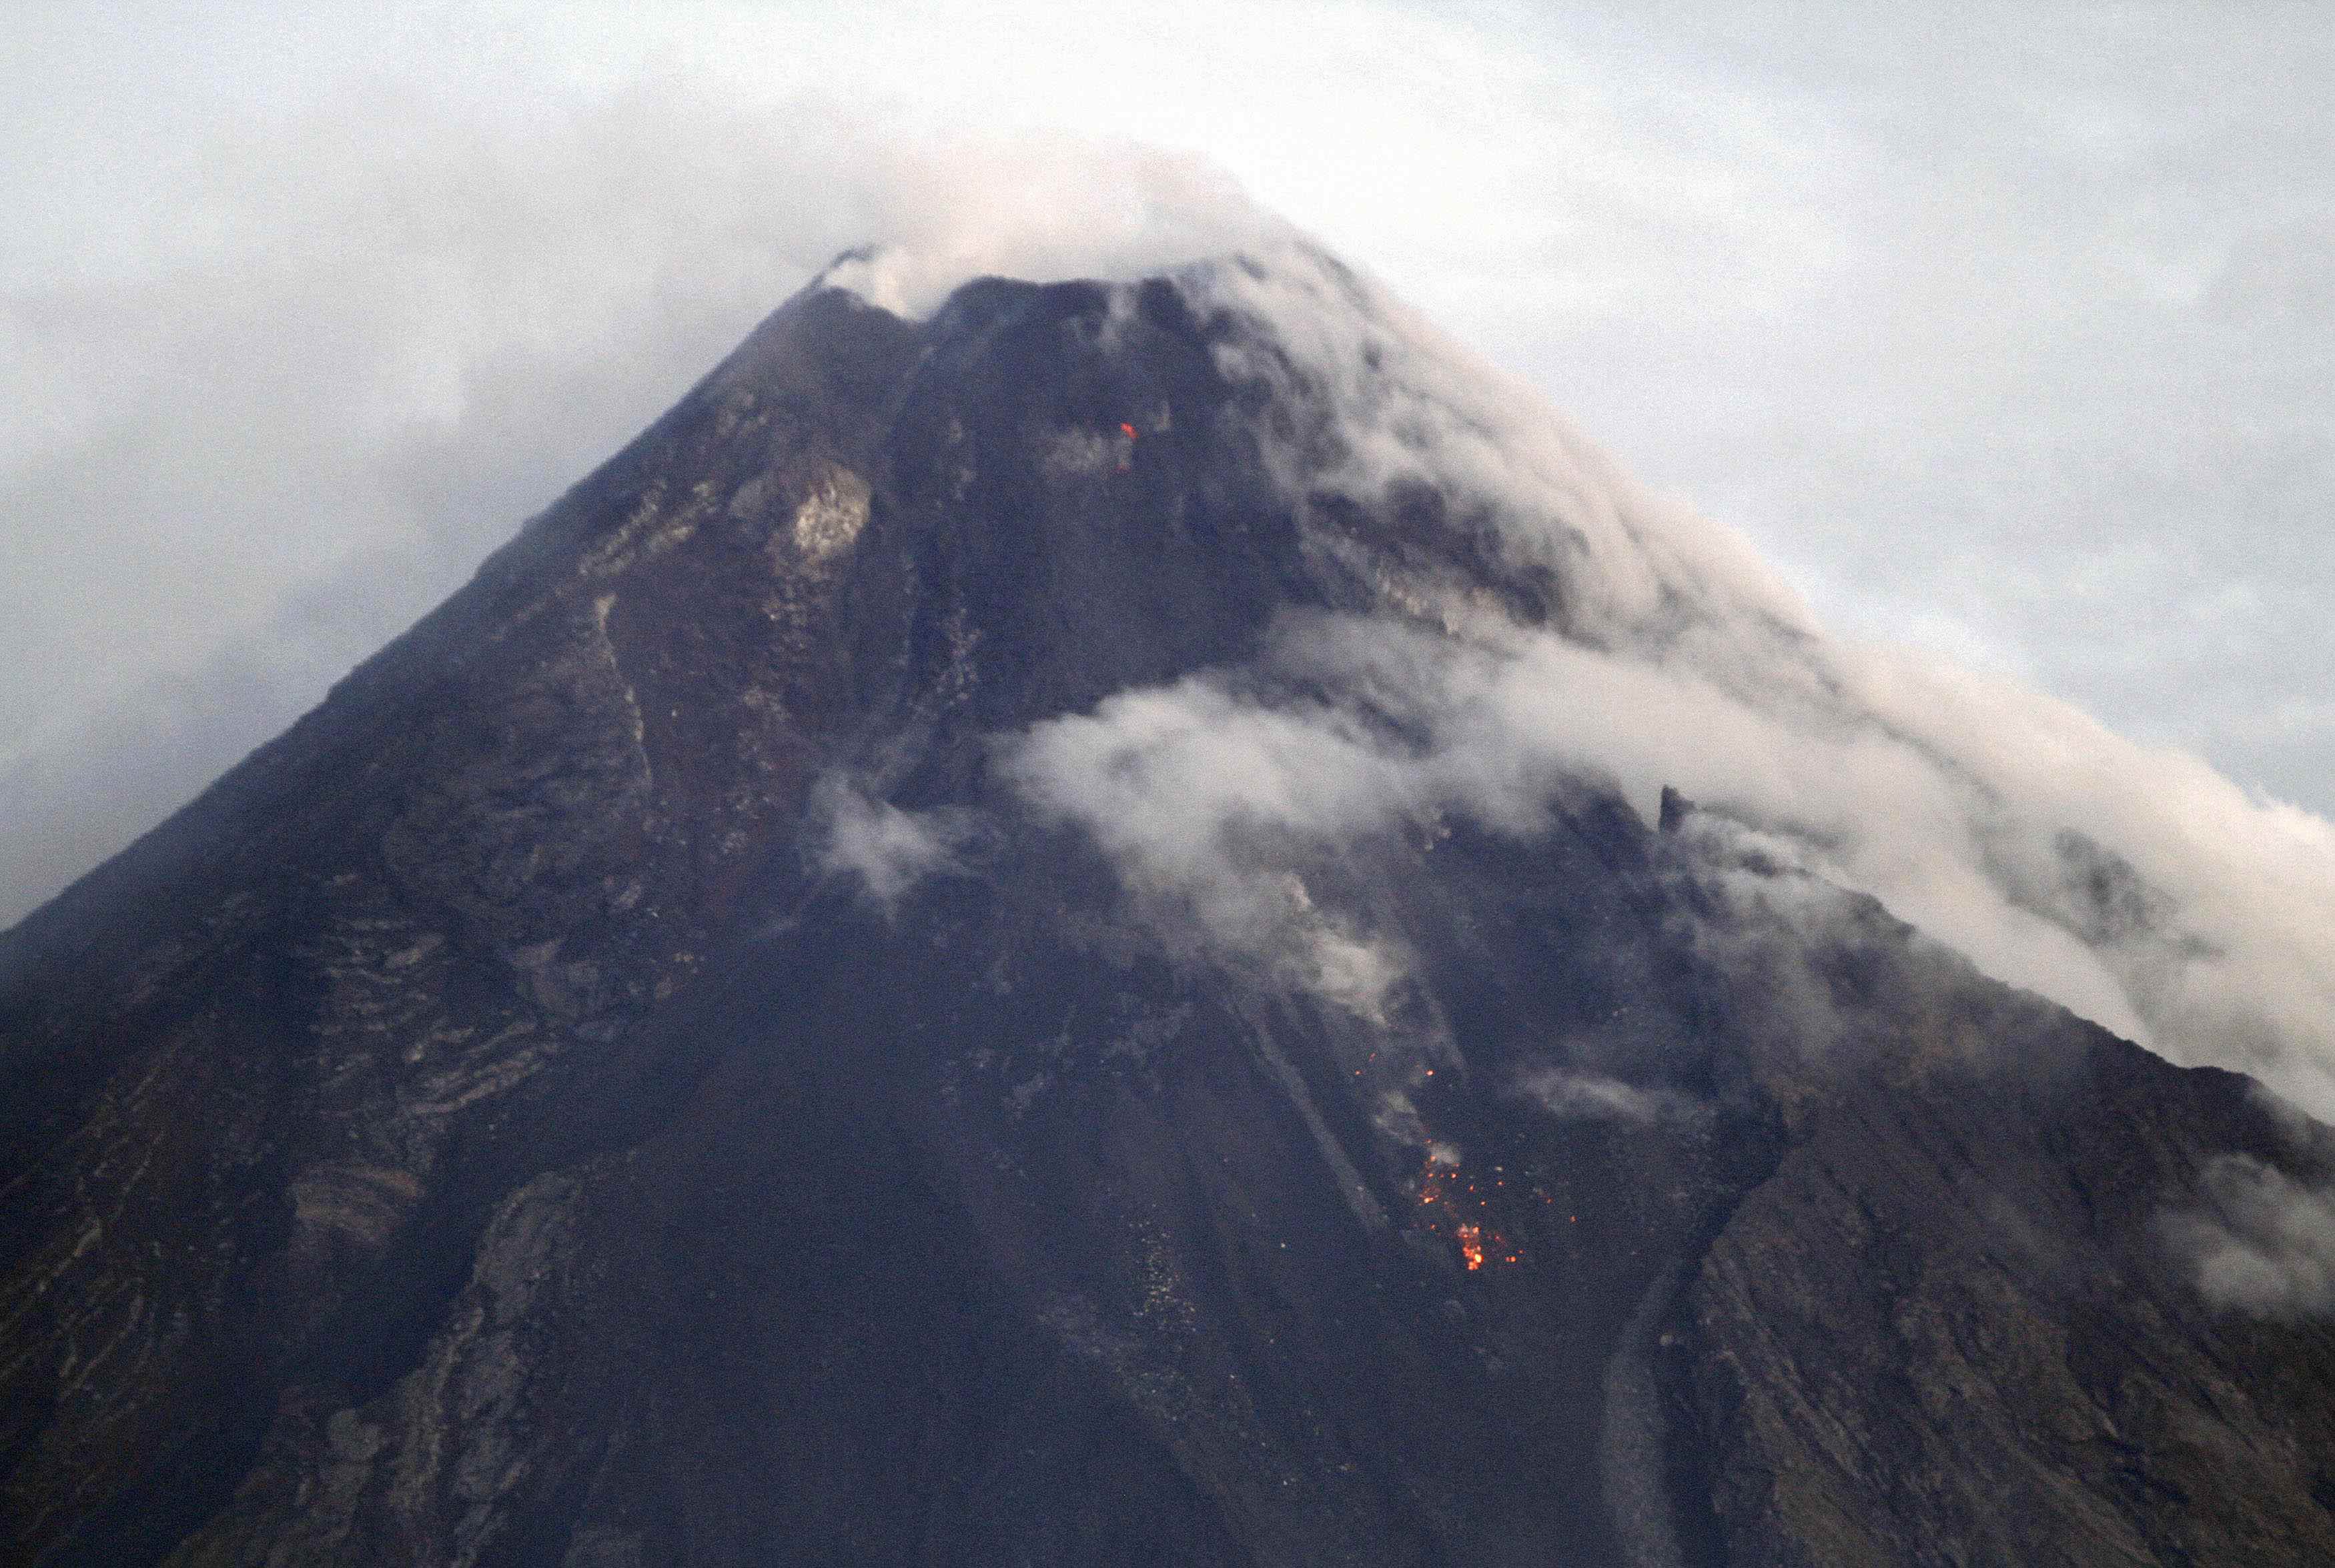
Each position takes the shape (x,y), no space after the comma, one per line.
(2000,329)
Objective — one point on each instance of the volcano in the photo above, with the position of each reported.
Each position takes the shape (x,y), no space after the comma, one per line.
(1107,928)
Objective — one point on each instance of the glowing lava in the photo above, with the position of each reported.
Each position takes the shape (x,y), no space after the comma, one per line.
(1443,1187)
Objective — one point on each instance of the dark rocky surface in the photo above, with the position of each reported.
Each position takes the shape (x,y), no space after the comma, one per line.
(482,1130)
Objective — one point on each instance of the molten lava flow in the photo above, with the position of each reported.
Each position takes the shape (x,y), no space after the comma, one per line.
(1471,1247)
(1127,429)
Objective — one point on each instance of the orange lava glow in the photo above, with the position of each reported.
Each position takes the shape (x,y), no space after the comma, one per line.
(1443,1186)
(1127,429)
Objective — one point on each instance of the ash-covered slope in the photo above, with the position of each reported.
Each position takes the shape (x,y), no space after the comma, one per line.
(1033,937)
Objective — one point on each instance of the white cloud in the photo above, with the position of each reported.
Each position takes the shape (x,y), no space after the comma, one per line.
(2132,884)
(887,851)
(1045,208)
(305,308)
(1189,790)
(1586,1097)
(2260,1242)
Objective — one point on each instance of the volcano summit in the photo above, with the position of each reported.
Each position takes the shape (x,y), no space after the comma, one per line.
(1154,923)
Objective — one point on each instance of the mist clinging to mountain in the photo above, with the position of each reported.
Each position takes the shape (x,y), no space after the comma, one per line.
(2130,884)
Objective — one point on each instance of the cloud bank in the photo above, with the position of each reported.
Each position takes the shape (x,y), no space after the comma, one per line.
(306,308)
(2132,884)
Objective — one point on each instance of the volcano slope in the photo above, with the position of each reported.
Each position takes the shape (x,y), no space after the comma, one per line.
(913,974)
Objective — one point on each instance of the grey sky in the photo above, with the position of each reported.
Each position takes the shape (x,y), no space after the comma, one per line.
(2000,329)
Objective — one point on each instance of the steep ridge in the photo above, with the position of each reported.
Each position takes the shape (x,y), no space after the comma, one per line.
(911,974)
